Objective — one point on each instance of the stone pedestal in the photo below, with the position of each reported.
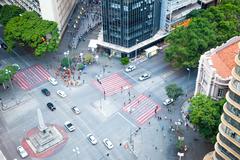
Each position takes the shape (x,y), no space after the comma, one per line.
(43,140)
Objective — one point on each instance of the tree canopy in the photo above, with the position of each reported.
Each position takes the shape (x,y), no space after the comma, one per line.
(30,29)
(4,75)
(9,11)
(208,29)
(205,114)
(173,91)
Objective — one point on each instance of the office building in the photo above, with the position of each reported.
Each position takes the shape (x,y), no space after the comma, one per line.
(214,69)
(52,10)
(130,26)
(227,146)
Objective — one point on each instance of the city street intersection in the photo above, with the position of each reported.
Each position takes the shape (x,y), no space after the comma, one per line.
(121,108)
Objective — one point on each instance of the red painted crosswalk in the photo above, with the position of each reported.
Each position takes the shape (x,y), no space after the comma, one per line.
(142,109)
(112,84)
(31,77)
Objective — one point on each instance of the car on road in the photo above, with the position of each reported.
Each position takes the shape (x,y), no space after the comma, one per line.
(22,152)
(76,110)
(61,93)
(108,143)
(92,139)
(70,127)
(46,92)
(51,106)
(168,101)
(144,76)
(130,68)
(53,81)
(4,46)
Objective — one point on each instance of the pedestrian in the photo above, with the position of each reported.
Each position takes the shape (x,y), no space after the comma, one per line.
(83,81)
(120,144)
(155,147)
(149,122)
(162,128)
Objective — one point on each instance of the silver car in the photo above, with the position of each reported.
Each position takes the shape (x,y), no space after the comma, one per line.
(22,152)
(130,68)
(108,143)
(144,76)
(70,127)
(92,139)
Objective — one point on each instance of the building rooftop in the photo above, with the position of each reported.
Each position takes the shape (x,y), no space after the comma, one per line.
(224,59)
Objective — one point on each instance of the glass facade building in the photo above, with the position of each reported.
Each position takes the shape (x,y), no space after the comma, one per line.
(128,22)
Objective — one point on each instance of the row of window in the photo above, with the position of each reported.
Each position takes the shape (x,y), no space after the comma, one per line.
(231,133)
(224,151)
(231,121)
(229,144)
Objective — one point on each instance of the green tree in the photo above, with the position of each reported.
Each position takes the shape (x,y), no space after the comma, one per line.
(208,29)
(173,91)
(9,11)
(88,58)
(30,29)
(205,115)
(66,62)
(125,60)
(180,145)
(4,75)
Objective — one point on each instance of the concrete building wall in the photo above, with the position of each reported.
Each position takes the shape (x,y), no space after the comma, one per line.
(53,10)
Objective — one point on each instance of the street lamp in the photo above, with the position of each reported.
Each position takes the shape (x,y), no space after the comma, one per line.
(189,71)
(8,72)
(136,48)
(81,56)
(76,151)
(66,54)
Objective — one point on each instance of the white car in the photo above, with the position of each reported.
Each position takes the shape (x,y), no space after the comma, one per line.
(53,81)
(130,68)
(69,126)
(92,139)
(107,143)
(76,110)
(168,101)
(22,152)
(144,76)
(61,93)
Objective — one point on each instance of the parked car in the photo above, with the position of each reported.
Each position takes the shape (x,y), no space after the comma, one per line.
(168,101)
(144,76)
(76,110)
(22,152)
(130,68)
(92,139)
(51,106)
(46,92)
(108,143)
(53,81)
(61,93)
(70,127)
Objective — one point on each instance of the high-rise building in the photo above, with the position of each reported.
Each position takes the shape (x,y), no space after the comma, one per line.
(227,146)
(132,25)
(53,10)
(128,22)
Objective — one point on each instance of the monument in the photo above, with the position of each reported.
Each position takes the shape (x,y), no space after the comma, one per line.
(44,137)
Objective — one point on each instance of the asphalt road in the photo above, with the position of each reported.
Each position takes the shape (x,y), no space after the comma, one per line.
(106,121)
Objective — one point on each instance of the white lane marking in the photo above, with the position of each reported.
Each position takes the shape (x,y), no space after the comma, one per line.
(132,124)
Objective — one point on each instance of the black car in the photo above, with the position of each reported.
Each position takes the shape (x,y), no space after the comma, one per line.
(4,46)
(51,106)
(46,92)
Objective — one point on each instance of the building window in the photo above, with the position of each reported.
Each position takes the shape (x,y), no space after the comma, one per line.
(220,92)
